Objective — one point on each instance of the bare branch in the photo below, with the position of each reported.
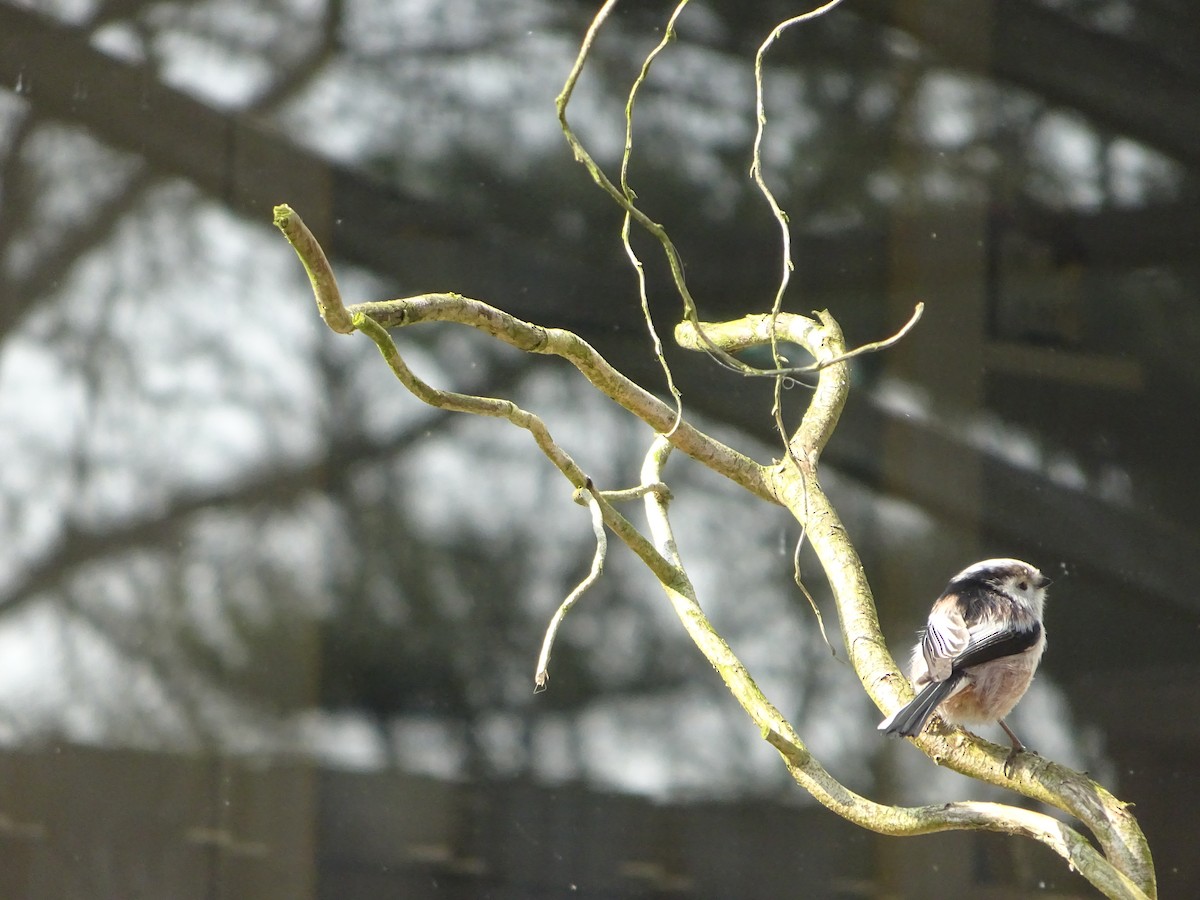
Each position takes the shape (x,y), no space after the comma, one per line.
(1114,827)
(558,342)
(1116,830)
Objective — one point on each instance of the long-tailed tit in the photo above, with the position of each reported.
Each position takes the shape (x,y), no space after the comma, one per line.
(978,651)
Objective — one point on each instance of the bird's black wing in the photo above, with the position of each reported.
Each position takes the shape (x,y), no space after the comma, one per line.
(997,645)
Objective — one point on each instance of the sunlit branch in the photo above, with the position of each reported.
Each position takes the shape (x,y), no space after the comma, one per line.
(597,370)
(524,336)
(792,483)
(1127,871)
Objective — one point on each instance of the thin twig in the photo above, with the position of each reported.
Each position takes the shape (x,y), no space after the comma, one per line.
(876,346)
(798,577)
(626,156)
(787,264)
(756,170)
(757,329)
(587,495)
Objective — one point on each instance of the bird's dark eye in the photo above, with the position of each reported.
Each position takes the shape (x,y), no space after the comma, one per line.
(1023,585)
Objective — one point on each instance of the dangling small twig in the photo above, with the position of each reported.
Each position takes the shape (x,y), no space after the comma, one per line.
(799,579)
(541,676)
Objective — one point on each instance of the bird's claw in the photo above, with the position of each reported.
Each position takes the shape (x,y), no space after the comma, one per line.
(1010,763)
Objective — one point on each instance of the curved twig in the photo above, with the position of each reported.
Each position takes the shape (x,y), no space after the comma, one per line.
(626,156)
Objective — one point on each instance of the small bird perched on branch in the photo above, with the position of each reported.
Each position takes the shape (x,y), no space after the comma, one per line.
(978,651)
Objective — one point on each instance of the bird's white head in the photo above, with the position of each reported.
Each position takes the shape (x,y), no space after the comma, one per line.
(1015,578)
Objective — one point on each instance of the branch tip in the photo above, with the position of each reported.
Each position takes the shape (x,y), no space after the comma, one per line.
(316,266)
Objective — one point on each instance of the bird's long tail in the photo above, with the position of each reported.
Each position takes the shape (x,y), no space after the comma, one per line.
(911,718)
